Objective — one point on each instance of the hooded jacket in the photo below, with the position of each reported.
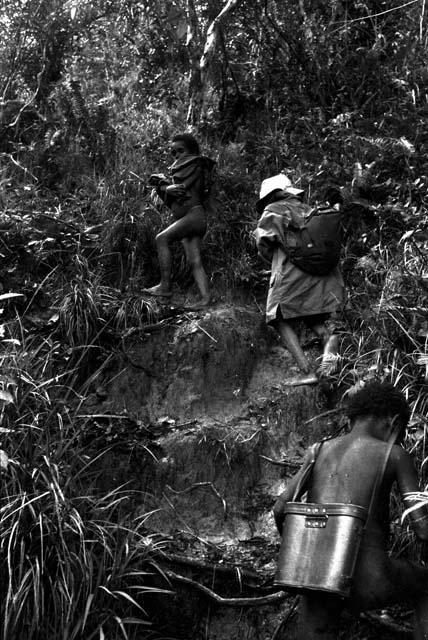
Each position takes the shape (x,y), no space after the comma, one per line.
(296,293)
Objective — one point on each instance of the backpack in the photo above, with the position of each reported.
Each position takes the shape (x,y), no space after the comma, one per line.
(313,239)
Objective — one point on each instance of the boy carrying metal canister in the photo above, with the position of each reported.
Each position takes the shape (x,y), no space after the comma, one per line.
(357,469)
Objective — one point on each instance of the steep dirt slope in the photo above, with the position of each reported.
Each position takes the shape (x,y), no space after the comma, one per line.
(225,433)
(226,430)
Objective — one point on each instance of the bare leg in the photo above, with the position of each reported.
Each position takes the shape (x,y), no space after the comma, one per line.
(164,255)
(330,355)
(381,581)
(192,247)
(190,225)
(291,342)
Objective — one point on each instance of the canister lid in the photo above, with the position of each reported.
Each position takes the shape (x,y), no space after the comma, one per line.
(322,509)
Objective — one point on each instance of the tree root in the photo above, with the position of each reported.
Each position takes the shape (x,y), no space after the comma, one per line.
(386,624)
(230,571)
(273,598)
(294,464)
(331,412)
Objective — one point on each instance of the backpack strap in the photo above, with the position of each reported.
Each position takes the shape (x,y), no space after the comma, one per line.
(381,470)
(307,471)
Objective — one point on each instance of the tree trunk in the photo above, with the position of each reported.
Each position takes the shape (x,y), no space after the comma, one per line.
(194,48)
(201,63)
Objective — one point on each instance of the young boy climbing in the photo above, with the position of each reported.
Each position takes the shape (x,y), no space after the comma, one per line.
(345,472)
(185,196)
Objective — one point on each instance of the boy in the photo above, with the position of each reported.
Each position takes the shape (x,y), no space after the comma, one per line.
(345,472)
(185,196)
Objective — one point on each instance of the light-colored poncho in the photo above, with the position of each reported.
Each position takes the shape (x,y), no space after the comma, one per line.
(295,292)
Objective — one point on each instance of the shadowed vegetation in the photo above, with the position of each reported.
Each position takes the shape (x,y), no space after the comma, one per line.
(334,94)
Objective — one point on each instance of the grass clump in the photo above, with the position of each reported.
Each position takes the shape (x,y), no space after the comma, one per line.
(71,564)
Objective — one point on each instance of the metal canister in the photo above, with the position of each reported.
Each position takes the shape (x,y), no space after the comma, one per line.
(320,544)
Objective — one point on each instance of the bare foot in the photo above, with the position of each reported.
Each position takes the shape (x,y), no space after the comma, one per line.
(329,364)
(158,291)
(305,379)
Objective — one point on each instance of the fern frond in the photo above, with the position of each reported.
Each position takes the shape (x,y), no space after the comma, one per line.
(392,146)
(78,104)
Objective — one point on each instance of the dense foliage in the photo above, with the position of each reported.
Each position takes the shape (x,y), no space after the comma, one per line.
(334,93)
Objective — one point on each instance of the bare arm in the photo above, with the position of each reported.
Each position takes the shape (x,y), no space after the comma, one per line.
(408,483)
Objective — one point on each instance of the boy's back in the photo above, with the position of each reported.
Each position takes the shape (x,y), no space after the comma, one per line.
(345,471)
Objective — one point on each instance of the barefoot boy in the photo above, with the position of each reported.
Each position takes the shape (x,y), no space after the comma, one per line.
(345,472)
(185,196)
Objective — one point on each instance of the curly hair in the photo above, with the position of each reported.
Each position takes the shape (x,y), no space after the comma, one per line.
(189,142)
(378,399)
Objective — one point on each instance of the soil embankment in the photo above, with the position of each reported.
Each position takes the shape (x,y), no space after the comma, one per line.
(226,431)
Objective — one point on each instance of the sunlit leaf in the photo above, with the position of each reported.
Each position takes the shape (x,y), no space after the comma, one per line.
(4,460)
(8,296)
(6,396)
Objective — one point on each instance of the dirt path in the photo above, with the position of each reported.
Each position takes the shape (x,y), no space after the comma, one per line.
(225,433)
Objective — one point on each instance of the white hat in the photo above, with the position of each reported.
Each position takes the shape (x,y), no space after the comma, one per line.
(279,182)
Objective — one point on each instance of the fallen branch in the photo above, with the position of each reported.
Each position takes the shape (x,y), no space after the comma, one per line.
(271,599)
(281,463)
(384,623)
(229,570)
(201,328)
(59,221)
(324,415)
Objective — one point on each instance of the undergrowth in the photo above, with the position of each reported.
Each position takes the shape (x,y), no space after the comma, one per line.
(77,230)
(72,561)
